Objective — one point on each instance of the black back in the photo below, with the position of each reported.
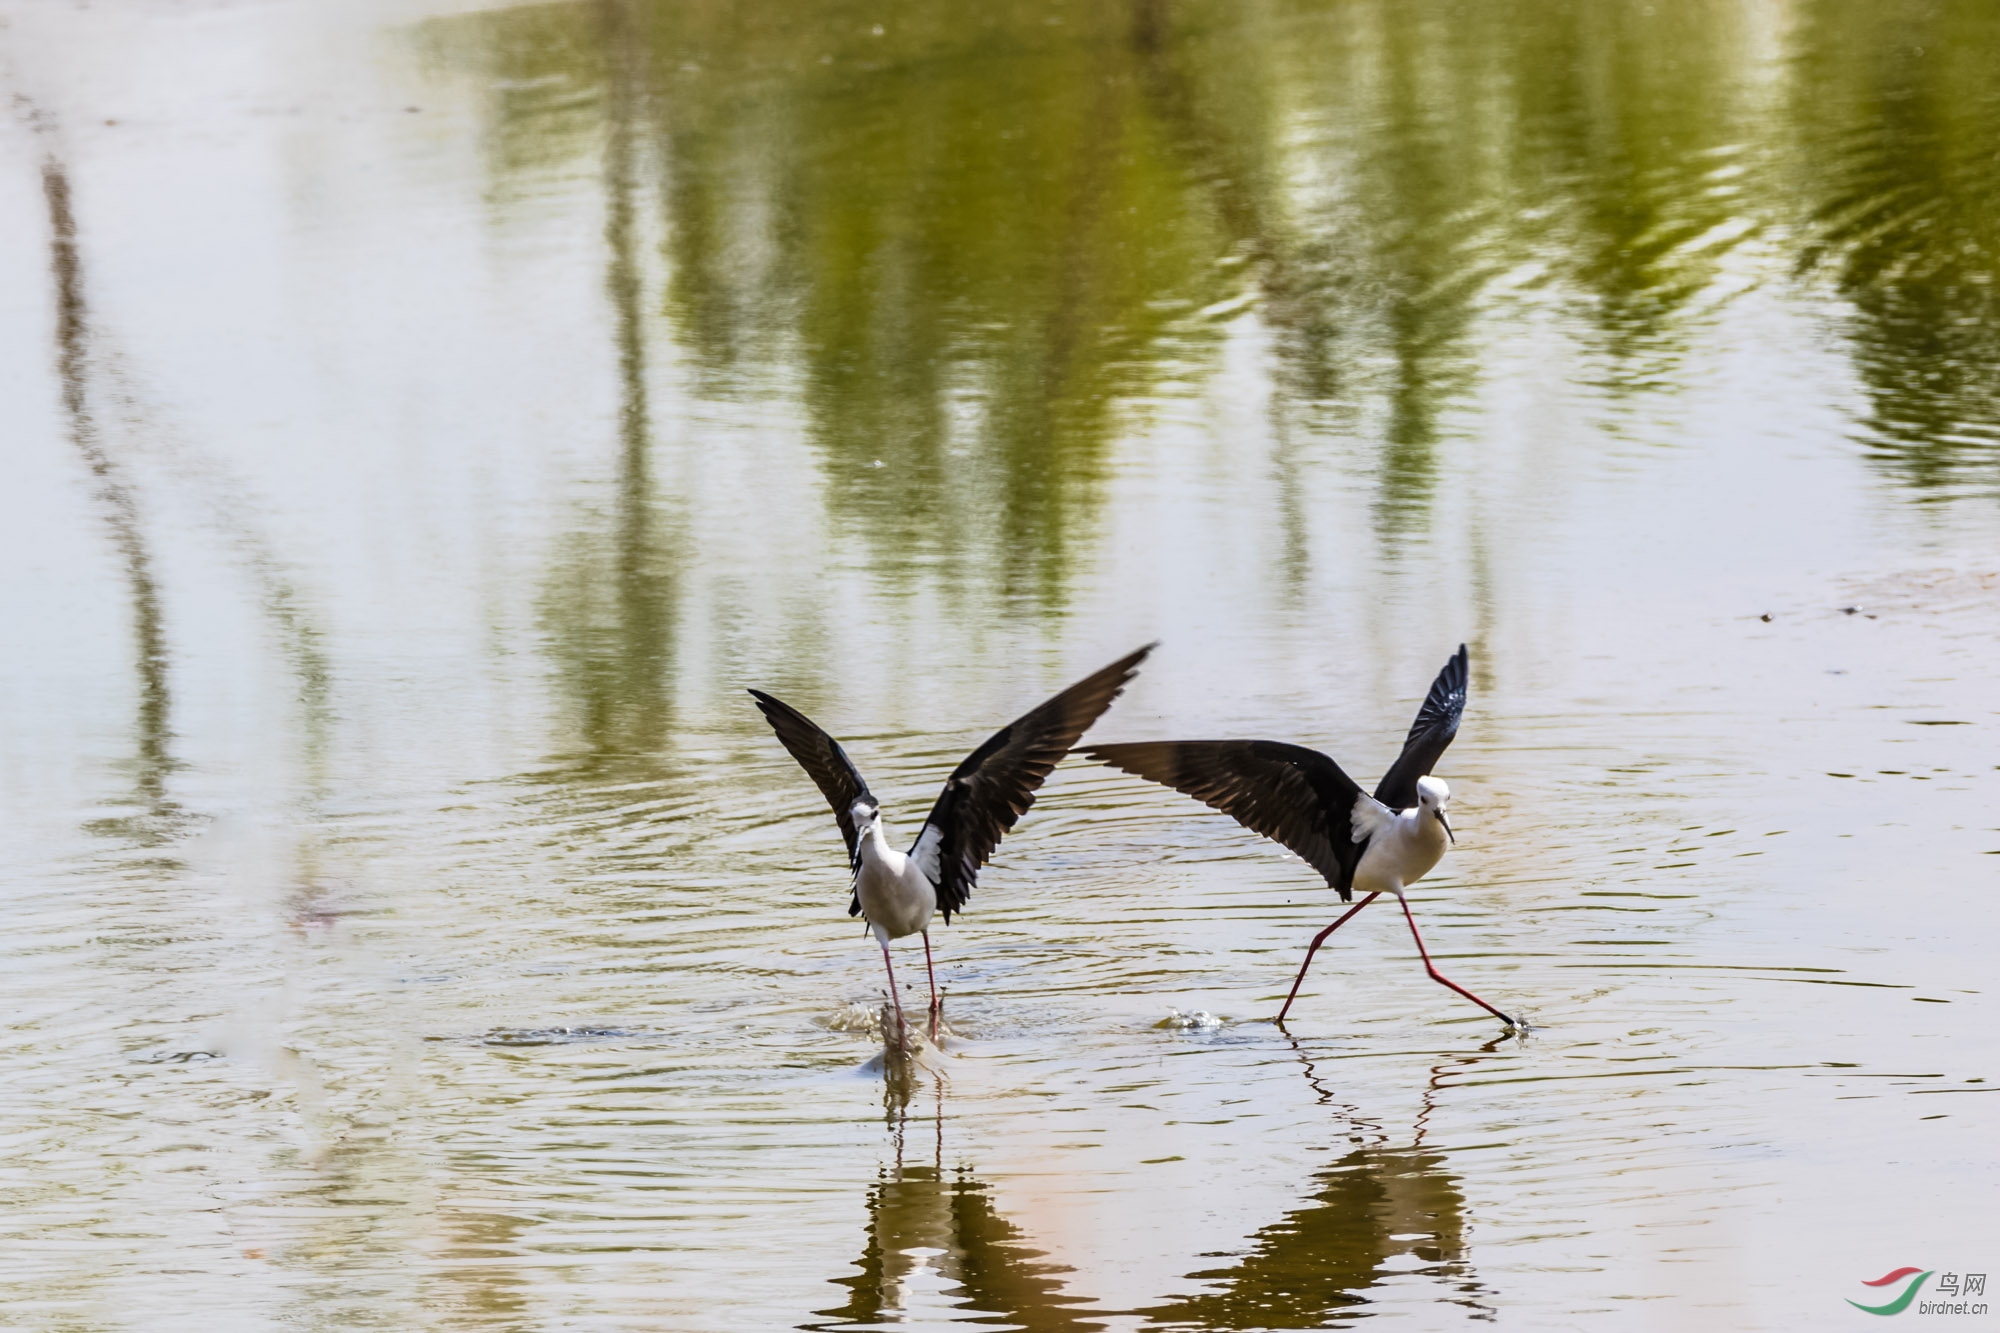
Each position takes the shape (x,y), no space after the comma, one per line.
(825,763)
(1294,796)
(1436,724)
(996,783)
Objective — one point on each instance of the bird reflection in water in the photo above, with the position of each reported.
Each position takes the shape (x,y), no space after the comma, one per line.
(937,1248)
(1378,1213)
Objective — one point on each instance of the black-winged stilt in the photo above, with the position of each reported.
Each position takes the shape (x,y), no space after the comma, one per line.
(1298,797)
(993,787)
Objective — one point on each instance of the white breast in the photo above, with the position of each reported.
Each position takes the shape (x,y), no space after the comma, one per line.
(896,896)
(1403,846)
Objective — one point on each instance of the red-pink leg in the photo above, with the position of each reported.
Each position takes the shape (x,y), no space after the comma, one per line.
(1438,976)
(1313,948)
(937,1005)
(902,1028)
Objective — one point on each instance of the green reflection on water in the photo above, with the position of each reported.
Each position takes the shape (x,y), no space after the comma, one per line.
(610,611)
(964,243)
(1375,1214)
(152,815)
(1636,121)
(1370,1207)
(978,248)
(1899,113)
(948,1219)
(974,245)
(928,1226)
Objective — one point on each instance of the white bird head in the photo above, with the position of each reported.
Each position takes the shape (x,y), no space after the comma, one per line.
(864,813)
(1432,796)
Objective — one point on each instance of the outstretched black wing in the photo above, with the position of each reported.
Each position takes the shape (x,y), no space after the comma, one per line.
(1292,795)
(996,783)
(1436,724)
(825,763)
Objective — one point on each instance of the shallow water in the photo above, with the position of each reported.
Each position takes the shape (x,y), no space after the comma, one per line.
(423,422)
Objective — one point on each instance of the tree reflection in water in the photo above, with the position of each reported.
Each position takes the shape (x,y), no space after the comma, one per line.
(977,249)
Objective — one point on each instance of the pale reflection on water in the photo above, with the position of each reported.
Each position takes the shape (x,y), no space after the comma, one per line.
(424,420)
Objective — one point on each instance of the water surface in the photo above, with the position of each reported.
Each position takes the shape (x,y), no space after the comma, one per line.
(423,421)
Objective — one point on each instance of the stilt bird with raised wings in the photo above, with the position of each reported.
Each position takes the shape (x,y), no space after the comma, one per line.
(1300,799)
(898,892)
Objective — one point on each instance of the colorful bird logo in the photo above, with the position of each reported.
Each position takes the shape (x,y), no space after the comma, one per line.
(1902,1302)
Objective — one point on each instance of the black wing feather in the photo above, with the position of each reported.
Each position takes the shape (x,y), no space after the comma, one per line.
(826,764)
(1436,724)
(1296,797)
(996,783)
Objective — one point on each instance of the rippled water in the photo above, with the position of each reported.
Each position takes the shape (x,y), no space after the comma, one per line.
(423,423)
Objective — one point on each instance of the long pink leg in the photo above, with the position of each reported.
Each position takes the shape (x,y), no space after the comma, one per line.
(902,1028)
(937,1005)
(1441,977)
(1313,948)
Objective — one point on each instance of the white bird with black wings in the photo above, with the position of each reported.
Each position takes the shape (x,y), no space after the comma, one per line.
(898,892)
(1300,798)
